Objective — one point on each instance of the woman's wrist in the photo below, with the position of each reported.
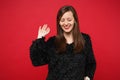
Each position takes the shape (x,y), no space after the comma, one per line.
(40,37)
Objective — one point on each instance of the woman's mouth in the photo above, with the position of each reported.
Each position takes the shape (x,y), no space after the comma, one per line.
(66,27)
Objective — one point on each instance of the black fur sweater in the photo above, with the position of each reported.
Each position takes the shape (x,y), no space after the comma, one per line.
(66,66)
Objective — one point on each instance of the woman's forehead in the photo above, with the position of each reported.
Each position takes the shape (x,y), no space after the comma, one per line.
(67,14)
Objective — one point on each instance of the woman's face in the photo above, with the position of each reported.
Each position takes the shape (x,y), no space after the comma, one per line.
(67,22)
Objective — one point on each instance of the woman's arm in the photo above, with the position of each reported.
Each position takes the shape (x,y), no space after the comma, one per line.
(90,59)
(38,52)
(38,49)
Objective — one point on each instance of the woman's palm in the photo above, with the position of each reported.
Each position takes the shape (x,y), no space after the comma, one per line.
(43,31)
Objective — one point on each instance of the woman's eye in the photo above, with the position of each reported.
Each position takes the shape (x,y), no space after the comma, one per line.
(69,20)
(62,20)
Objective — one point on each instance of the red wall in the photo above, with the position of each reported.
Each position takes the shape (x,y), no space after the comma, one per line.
(19,21)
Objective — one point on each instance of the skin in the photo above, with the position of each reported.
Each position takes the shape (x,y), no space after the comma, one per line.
(43,31)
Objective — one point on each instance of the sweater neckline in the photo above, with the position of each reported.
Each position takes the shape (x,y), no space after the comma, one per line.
(70,43)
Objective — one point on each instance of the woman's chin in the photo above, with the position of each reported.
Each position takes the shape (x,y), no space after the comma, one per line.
(67,31)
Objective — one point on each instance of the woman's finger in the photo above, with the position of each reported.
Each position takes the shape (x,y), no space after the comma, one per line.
(47,30)
(39,28)
(44,27)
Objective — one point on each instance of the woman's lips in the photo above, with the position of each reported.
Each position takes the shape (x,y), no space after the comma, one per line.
(66,27)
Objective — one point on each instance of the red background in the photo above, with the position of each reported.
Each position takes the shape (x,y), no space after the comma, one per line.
(19,22)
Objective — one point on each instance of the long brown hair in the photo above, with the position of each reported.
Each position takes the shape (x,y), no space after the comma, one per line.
(77,36)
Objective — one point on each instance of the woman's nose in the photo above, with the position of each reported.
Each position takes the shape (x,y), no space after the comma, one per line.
(66,23)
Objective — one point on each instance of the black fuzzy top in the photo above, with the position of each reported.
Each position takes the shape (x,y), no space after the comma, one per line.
(66,66)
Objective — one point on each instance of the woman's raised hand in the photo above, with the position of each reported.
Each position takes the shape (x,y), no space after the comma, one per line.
(43,31)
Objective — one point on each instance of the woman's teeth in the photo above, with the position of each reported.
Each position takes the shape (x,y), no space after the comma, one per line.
(66,27)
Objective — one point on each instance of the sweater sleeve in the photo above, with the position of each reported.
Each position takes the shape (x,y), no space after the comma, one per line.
(90,59)
(39,52)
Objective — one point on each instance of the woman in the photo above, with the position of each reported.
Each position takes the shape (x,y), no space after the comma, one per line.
(69,54)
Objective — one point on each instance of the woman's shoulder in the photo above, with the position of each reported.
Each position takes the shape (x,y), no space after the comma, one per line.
(85,35)
(51,40)
(87,38)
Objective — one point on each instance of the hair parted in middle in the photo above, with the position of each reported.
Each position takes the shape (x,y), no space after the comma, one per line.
(60,41)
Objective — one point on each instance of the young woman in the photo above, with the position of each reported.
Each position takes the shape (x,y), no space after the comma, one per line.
(69,54)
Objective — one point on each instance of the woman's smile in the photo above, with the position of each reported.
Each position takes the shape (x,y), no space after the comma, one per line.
(67,27)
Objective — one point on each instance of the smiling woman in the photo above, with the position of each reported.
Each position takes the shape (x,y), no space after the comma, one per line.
(19,21)
(69,54)
(67,22)
(68,31)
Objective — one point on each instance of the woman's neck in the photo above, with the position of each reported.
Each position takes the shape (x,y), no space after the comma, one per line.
(68,37)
